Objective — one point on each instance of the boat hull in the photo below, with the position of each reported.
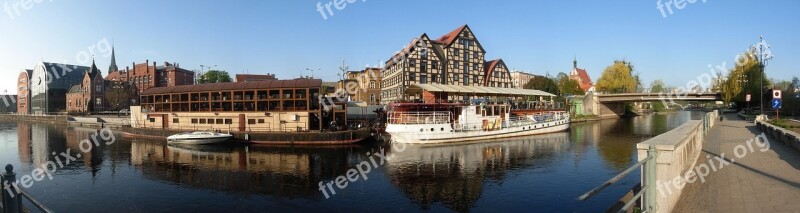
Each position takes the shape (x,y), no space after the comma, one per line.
(198,141)
(452,137)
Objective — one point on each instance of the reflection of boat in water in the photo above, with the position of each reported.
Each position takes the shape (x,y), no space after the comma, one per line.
(199,138)
(454,174)
(286,172)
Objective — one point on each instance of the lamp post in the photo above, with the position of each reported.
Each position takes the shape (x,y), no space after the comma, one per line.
(763,55)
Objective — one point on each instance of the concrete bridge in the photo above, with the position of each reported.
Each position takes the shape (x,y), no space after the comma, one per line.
(613,105)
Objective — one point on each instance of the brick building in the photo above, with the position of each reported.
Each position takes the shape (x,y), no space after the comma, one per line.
(365,83)
(89,95)
(23,91)
(254,78)
(581,77)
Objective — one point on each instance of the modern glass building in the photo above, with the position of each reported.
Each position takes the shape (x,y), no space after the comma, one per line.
(49,84)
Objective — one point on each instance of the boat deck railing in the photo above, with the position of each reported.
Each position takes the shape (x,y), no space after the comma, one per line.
(439,117)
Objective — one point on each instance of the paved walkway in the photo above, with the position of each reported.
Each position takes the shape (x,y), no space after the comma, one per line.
(759,182)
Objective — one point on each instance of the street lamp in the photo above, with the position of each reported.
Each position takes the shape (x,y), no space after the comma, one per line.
(763,55)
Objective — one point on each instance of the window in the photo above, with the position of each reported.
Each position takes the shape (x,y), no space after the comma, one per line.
(434,65)
(228,121)
(466,79)
(152,120)
(261,121)
(220,121)
(194,120)
(455,52)
(251,121)
(475,55)
(475,66)
(455,65)
(412,62)
(423,78)
(175,120)
(434,77)
(411,76)
(372,85)
(475,79)
(372,98)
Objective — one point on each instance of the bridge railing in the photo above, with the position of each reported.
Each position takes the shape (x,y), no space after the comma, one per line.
(662,159)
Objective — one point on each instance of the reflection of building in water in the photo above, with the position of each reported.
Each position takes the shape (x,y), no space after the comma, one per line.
(454,174)
(93,159)
(266,170)
(45,140)
(24,142)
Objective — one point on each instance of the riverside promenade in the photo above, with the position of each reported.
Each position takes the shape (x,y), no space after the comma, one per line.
(766,181)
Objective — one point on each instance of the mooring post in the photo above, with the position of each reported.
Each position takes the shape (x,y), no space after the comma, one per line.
(650,180)
(12,201)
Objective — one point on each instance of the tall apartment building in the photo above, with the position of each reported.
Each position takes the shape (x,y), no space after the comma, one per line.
(457,58)
(520,78)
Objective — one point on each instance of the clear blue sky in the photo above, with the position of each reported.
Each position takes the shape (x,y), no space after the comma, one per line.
(286,37)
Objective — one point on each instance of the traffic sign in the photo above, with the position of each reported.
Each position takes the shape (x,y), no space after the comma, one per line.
(776,94)
(776,103)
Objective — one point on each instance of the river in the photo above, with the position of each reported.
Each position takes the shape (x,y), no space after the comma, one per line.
(543,173)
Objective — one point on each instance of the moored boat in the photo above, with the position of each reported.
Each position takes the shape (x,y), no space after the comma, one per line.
(198,138)
(453,122)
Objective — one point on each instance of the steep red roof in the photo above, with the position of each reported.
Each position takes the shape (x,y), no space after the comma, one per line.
(448,38)
(582,78)
(488,67)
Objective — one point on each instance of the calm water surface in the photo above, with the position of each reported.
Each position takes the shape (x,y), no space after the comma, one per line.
(544,173)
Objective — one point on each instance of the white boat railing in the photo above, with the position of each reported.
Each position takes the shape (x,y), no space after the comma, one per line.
(419,118)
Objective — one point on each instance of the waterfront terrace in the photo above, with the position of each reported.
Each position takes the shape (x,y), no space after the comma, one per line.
(276,105)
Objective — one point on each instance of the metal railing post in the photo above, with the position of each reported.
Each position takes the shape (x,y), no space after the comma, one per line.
(12,201)
(650,180)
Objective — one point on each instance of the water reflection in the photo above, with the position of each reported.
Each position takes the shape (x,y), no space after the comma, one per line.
(454,174)
(287,172)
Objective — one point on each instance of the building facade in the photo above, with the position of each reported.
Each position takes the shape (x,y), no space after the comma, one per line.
(497,74)
(363,86)
(49,84)
(23,91)
(8,104)
(254,78)
(457,58)
(145,76)
(520,78)
(89,95)
(581,77)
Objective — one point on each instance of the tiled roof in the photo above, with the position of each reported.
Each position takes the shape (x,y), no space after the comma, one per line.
(296,83)
(448,38)
(74,89)
(586,82)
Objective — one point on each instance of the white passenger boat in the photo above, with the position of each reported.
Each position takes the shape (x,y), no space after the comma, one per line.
(198,138)
(426,123)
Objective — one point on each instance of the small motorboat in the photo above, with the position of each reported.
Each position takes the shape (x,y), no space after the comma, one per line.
(198,138)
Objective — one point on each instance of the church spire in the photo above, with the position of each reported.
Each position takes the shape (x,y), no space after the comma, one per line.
(574,61)
(113,66)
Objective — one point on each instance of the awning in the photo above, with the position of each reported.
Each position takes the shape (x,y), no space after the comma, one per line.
(478,90)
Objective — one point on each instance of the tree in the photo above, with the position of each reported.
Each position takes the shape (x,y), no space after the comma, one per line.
(618,78)
(568,86)
(214,76)
(658,86)
(542,83)
(744,79)
(118,95)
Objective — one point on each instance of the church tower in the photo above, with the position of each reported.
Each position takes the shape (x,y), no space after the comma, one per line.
(113,66)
